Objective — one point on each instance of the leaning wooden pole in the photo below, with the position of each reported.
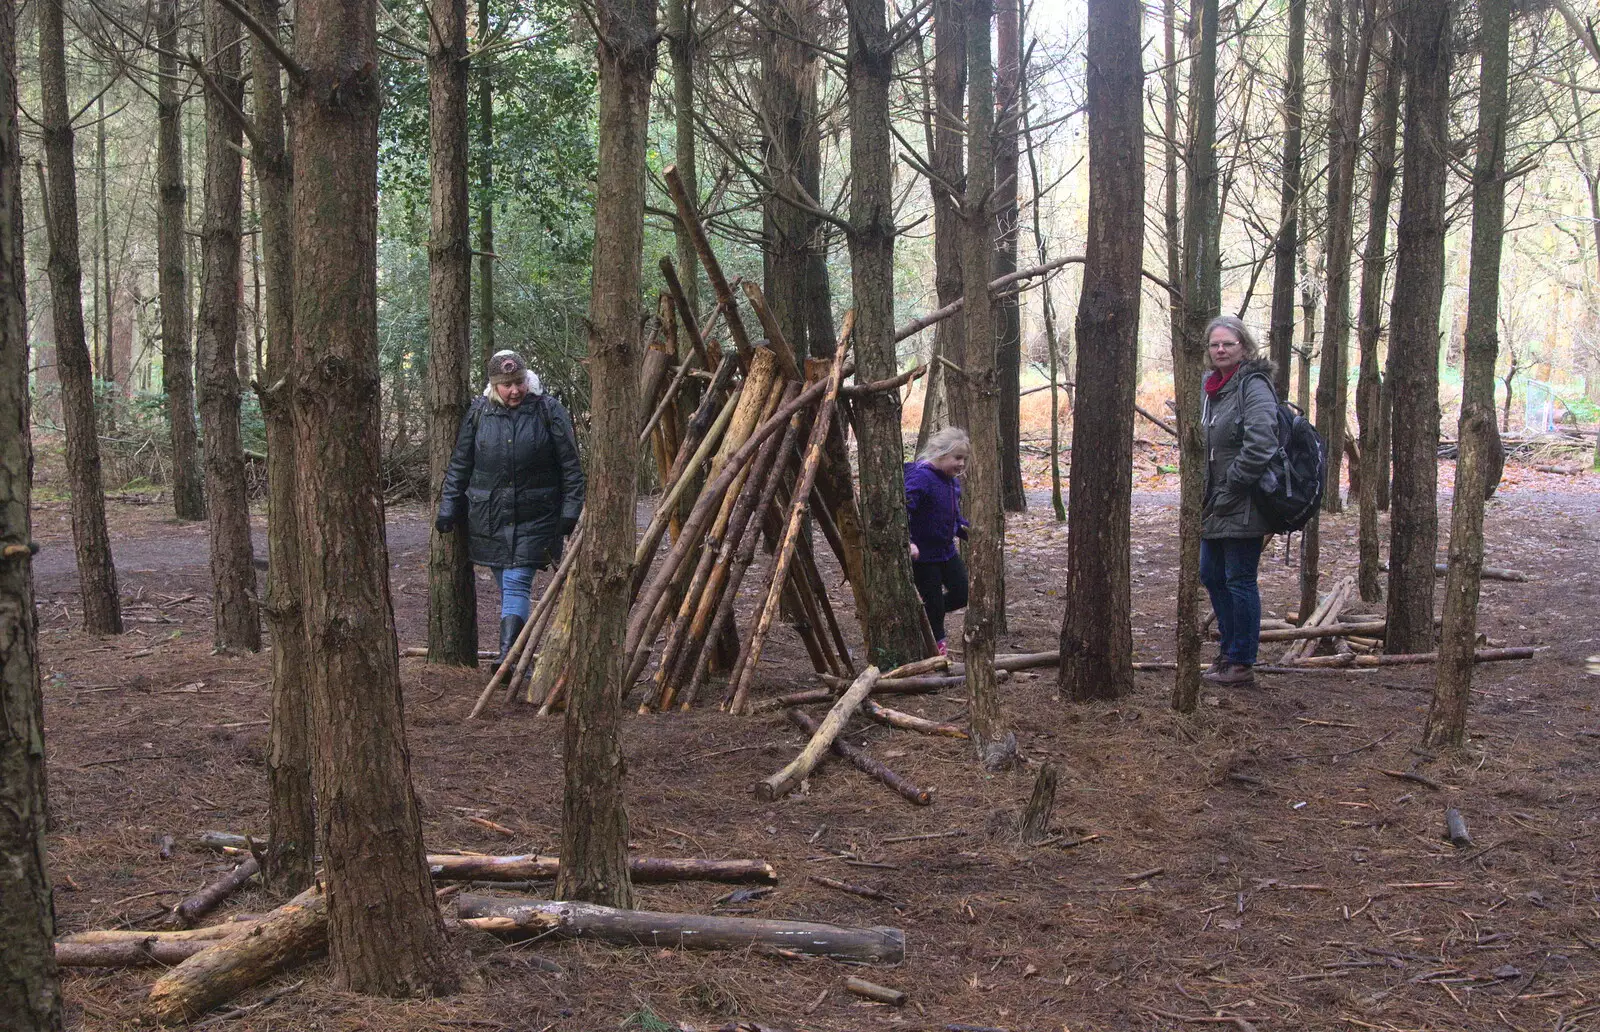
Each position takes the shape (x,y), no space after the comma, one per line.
(690,219)
(797,512)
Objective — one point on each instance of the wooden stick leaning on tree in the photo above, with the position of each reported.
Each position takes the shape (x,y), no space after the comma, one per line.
(686,315)
(692,931)
(673,491)
(787,779)
(690,220)
(797,511)
(865,762)
(1327,612)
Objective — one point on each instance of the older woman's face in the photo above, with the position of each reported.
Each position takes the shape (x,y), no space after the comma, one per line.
(511,394)
(1225,349)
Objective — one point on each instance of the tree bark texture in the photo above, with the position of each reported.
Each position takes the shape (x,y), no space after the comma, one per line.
(949,105)
(1097,628)
(30,991)
(452,595)
(1369,318)
(385,934)
(1414,337)
(1280,336)
(594,823)
(292,829)
(1349,49)
(97,576)
(1008,310)
(978,385)
(681,48)
(1447,717)
(235,619)
(486,337)
(789,91)
(177,354)
(1202,292)
(893,621)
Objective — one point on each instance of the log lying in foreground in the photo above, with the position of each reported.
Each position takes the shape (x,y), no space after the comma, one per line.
(910,721)
(822,736)
(1358,662)
(188,913)
(510,917)
(1370,628)
(207,935)
(144,952)
(293,933)
(917,685)
(864,762)
(642,869)
(1498,573)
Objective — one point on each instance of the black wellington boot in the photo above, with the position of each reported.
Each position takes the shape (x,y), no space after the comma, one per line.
(510,627)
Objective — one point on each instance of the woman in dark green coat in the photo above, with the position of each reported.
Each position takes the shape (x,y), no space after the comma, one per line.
(515,484)
(1239,418)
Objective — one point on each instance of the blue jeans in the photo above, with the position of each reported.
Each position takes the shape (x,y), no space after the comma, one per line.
(1228,570)
(516,585)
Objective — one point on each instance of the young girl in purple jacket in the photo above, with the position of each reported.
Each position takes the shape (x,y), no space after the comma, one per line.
(933,511)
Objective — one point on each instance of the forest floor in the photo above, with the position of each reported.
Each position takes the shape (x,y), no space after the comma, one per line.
(1250,861)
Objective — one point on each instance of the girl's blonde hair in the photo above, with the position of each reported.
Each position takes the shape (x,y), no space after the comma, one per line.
(943,442)
(1235,326)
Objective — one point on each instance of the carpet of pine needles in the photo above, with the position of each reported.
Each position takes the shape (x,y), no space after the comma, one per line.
(1251,866)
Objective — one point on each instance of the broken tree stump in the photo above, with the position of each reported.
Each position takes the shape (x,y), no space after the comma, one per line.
(510,917)
(283,938)
(823,735)
(1035,823)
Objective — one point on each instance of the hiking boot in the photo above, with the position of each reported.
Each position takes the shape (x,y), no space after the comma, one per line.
(1217,666)
(1232,674)
(510,627)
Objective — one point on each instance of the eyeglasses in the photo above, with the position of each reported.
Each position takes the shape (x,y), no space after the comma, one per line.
(1224,344)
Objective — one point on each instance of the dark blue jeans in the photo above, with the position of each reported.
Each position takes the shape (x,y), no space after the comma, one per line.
(1228,570)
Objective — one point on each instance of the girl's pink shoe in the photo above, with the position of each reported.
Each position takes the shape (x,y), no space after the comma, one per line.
(944,650)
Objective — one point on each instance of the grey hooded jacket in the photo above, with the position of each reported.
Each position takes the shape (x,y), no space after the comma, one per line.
(1240,423)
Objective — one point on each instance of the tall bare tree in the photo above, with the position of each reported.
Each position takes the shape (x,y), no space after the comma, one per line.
(385,935)
(978,387)
(1286,244)
(486,256)
(452,596)
(1414,340)
(1008,309)
(177,353)
(949,168)
(30,990)
(97,575)
(1447,717)
(235,619)
(594,822)
(894,618)
(1202,301)
(1369,319)
(1097,628)
(682,42)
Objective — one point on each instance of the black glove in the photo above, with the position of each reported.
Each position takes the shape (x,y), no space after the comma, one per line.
(568,525)
(444,524)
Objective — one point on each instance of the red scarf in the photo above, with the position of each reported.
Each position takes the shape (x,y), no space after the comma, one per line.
(1218,379)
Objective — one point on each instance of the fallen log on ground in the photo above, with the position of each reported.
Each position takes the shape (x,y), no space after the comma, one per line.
(864,762)
(1498,573)
(910,721)
(1480,656)
(822,736)
(510,917)
(799,698)
(287,936)
(145,952)
(919,685)
(188,913)
(1370,628)
(209,934)
(641,869)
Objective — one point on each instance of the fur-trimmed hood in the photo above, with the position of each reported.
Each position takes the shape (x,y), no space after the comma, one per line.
(530,379)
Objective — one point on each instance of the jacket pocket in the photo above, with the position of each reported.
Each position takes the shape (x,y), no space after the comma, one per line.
(535,503)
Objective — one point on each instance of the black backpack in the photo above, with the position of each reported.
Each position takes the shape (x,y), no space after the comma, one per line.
(1290,490)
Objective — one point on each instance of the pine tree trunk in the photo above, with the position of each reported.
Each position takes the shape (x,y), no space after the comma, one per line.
(788,78)
(1202,291)
(235,621)
(1414,335)
(385,934)
(1447,718)
(594,822)
(893,621)
(1097,629)
(1369,319)
(940,407)
(30,991)
(682,43)
(486,198)
(1349,49)
(976,386)
(97,576)
(1172,220)
(1058,506)
(177,356)
(452,595)
(1008,310)
(1280,336)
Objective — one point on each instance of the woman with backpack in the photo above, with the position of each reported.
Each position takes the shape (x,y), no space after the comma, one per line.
(1239,418)
(515,484)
